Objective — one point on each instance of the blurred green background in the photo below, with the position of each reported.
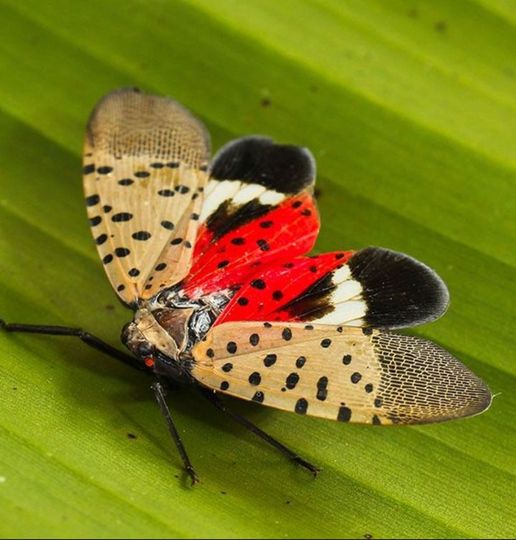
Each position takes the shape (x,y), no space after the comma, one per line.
(410,109)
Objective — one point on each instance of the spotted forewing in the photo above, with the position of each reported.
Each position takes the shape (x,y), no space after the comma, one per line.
(340,373)
(145,161)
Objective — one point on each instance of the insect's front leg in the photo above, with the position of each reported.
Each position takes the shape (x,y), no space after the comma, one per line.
(84,336)
(159,389)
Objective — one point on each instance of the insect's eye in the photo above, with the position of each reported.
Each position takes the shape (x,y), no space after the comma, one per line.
(145,350)
(126,333)
(149,361)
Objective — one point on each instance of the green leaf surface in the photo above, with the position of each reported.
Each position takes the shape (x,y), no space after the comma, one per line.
(410,110)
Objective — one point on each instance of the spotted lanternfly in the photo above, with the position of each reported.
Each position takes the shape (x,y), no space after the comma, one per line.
(212,259)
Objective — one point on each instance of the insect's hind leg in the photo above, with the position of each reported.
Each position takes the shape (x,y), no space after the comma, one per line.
(290,454)
(84,336)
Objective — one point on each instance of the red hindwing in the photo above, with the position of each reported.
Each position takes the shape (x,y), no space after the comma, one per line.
(283,233)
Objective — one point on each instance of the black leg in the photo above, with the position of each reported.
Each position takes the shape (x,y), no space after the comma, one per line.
(159,392)
(86,337)
(215,400)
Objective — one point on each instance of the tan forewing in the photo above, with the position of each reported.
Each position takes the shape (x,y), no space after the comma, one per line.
(338,373)
(145,161)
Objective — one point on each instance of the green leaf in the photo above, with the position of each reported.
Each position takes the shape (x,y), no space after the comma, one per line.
(410,110)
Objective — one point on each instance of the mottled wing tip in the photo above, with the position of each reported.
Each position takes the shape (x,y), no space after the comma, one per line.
(127,121)
(423,383)
(281,167)
(399,291)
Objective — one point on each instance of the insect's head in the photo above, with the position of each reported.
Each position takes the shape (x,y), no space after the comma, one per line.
(150,343)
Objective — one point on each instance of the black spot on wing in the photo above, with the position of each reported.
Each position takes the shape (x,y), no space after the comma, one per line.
(141,235)
(277,295)
(322,389)
(121,216)
(126,182)
(166,192)
(301,406)
(258,397)
(270,360)
(292,380)
(346,359)
(281,167)
(122,252)
(399,290)
(255,378)
(344,414)
(231,347)
(92,200)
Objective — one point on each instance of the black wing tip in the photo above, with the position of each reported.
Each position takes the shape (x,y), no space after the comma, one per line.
(399,290)
(283,167)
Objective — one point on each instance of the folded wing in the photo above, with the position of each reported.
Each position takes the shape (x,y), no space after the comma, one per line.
(345,374)
(145,169)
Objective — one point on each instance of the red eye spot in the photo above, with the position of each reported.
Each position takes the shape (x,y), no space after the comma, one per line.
(149,362)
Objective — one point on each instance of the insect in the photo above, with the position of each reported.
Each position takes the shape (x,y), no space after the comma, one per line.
(212,258)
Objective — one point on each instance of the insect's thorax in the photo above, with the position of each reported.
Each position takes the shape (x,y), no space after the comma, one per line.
(165,329)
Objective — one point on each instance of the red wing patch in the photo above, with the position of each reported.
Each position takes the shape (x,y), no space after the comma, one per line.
(221,263)
(269,293)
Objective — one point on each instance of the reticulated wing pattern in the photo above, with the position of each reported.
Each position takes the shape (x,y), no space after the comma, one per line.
(345,374)
(145,170)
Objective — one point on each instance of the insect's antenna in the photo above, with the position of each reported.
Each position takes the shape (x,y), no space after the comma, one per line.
(85,337)
(159,393)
